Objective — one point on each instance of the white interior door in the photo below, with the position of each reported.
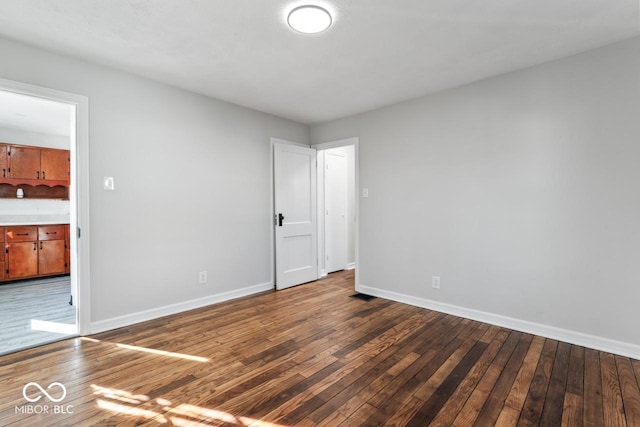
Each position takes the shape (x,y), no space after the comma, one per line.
(296,214)
(335,192)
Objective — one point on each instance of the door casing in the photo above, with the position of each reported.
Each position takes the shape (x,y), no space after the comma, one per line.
(79,210)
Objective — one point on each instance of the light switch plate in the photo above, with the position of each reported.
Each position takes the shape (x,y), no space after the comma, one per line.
(108,183)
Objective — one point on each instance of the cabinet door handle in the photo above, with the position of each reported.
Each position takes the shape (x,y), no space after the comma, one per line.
(38,174)
(43,175)
(22,234)
(40,245)
(4,173)
(35,247)
(52,232)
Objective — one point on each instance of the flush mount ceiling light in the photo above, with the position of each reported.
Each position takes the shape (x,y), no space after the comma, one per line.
(309,19)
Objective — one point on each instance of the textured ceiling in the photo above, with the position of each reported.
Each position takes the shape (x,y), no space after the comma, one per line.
(377,52)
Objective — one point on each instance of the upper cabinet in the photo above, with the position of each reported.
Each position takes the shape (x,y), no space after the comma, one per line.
(4,161)
(24,162)
(40,172)
(45,164)
(55,164)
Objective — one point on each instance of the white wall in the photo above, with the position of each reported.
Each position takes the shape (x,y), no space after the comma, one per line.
(11,135)
(522,192)
(192,185)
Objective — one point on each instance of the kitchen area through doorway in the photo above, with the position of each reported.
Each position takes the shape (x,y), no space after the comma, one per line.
(37,303)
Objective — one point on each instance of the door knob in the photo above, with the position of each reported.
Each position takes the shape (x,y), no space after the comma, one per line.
(280,218)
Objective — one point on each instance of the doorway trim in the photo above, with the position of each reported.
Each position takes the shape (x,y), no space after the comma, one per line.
(79,214)
(354,141)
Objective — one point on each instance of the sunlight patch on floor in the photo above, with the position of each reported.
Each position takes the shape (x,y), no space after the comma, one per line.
(55,327)
(163,411)
(164,353)
(152,351)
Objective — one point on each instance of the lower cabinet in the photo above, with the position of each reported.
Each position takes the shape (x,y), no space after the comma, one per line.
(51,257)
(22,260)
(34,251)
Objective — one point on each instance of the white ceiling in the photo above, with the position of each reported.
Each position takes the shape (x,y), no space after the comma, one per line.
(377,52)
(28,113)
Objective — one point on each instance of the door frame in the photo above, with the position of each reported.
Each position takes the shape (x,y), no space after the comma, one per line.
(354,141)
(79,209)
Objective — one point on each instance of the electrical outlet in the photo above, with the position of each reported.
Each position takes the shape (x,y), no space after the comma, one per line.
(435,282)
(202,277)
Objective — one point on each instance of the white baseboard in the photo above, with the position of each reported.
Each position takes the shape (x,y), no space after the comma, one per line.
(351,266)
(154,313)
(565,335)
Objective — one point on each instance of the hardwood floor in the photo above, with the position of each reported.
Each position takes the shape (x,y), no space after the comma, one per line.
(32,310)
(311,355)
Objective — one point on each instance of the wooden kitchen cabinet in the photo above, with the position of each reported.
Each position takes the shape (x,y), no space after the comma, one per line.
(22,260)
(21,251)
(22,233)
(34,251)
(51,250)
(24,162)
(55,164)
(51,257)
(40,172)
(4,161)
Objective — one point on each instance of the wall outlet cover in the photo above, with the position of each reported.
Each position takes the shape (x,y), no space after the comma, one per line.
(202,277)
(435,282)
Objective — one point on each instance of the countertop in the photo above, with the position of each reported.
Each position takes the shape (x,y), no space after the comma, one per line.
(6,220)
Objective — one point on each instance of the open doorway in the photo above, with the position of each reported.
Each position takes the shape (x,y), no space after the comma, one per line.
(39,294)
(337,206)
(305,183)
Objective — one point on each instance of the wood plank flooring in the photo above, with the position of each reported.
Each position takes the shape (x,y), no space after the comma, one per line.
(41,300)
(311,355)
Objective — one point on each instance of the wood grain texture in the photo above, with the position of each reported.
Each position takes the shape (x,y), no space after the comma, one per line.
(312,356)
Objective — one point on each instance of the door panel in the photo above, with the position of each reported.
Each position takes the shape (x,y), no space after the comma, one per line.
(295,200)
(335,191)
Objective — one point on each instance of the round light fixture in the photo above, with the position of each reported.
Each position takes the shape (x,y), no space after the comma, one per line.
(309,19)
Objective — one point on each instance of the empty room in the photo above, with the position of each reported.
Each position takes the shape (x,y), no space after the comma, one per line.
(319,213)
